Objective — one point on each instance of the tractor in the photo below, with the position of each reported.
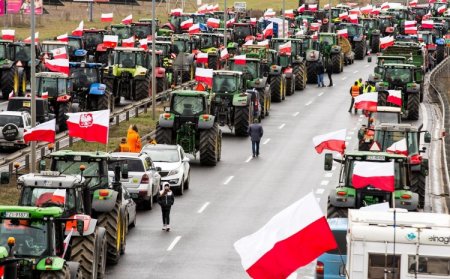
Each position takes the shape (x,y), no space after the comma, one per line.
(387,25)
(76,53)
(435,6)
(210,43)
(122,31)
(335,50)
(175,23)
(8,70)
(356,38)
(242,32)
(231,104)
(372,32)
(183,67)
(346,196)
(188,123)
(21,54)
(97,50)
(128,74)
(48,46)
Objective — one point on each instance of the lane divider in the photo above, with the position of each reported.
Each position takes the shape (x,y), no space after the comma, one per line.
(228,180)
(282,126)
(249,159)
(203,207)
(266,141)
(320,191)
(295,114)
(174,242)
(344,78)
(308,103)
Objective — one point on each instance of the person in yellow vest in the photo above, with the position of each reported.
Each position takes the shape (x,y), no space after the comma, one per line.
(369,87)
(360,82)
(355,90)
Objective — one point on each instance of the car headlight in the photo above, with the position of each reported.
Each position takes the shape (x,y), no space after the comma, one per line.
(173,172)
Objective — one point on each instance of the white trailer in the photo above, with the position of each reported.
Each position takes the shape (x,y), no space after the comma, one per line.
(421,248)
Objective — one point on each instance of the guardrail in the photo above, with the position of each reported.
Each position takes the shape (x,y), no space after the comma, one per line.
(62,139)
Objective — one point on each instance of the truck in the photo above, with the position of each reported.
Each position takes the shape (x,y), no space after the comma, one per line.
(397,244)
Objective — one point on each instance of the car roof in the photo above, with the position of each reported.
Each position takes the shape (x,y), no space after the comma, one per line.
(130,155)
(160,146)
(338,224)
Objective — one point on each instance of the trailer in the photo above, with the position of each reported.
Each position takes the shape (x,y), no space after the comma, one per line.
(416,245)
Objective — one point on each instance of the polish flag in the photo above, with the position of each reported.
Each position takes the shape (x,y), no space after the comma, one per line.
(59,196)
(224,54)
(268,31)
(202,9)
(343,16)
(176,12)
(334,141)
(366,10)
(315,26)
(263,43)
(202,58)
(58,65)
(367,101)
(301,9)
(326,7)
(289,13)
(315,36)
(413,3)
(79,30)
(42,132)
(375,11)
(441,9)
(8,34)
(248,43)
(285,48)
(143,43)
(128,42)
(230,22)
(411,30)
(194,29)
(44,95)
(355,11)
(215,8)
(269,13)
(213,22)
(110,41)
(410,23)
(36,38)
(398,147)
(204,75)
(427,24)
(431,1)
(253,20)
(66,242)
(395,97)
(186,24)
(91,126)
(353,18)
(426,16)
(377,174)
(127,20)
(59,53)
(385,6)
(106,17)
(312,7)
(343,32)
(63,38)
(273,251)
(240,59)
(386,42)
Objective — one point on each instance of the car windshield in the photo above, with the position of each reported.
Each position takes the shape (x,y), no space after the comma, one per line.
(398,75)
(242,31)
(340,237)
(23,52)
(141,31)
(93,39)
(249,67)
(188,105)
(54,86)
(387,138)
(224,84)
(11,119)
(397,173)
(123,32)
(83,77)
(134,164)
(163,155)
(31,236)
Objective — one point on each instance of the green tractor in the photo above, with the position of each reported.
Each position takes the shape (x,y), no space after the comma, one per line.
(231,104)
(128,74)
(372,32)
(332,50)
(183,67)
(8,71)
(357,38)
(33,242)
(346,196)
(210,43)
(188,123)
(122,31)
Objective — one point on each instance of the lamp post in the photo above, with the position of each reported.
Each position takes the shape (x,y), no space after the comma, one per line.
(225,17)
(284,18)
(33,84)
(153,62)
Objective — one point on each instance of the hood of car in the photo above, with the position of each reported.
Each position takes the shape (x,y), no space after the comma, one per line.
(165,166)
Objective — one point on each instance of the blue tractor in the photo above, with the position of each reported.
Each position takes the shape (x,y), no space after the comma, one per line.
(77,52)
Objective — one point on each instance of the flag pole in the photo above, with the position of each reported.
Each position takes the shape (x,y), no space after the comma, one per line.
(153,61)
(33,85)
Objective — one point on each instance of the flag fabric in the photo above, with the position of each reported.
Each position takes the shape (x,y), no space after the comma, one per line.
(176,12)
(202,58)
(248,43)
(186,24)
(427,24)
(58,65)
(106,17)
(377,174)
(263,43)
(240,59)
(268,31)
(42,132)
(194,29)
(269,13)
(213,22)
(367,101)
(375,11)
(8,34)
(291,239)
(79,30)
(110,41)
(314,26)
(36,38)
(301,9)
(224,54)
(354,11)
(66,242)
(289,13)
(285,48)
(128,42)
(230,22)
(90,126)
(59,53)
(398,147)
(204,75)
(44,95)
(343,32)
(312,7)
(334,141)
(410,23)
(385,6)
(143,43)
(127,20)
(413,3)
(215,8)
(63,38)
(343,16)
(202,9)
(395,97)
(386,42)
(366,10)
(353,18)
(442,9)
(59,196)
(411,30)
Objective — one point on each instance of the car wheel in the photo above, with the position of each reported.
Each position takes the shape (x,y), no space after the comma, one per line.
(181,189)
(132,225)
(188,181)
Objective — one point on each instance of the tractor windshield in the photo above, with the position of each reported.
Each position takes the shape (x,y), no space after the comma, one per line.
(398,75)
(42,197)
(224,84)
(250,67)
(328,39)
(351,30)
(31,236)
(207,41)
(129,59)
(54,86)
(384,117)
(199,19)
(49,47)
(74,44)
(93,172)
(23,52)
(350,164)
(385,22)
(3,53)
(335,13)
(369,24)
(179,46)
(242,31)
(141,31)
(123,32)
(93,39)
(83,77)
(188,105)
(387,138)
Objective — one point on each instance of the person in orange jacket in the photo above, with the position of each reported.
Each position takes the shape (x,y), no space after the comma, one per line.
(133,139)
(123,146)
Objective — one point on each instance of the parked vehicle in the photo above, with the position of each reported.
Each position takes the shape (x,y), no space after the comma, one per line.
(12,126)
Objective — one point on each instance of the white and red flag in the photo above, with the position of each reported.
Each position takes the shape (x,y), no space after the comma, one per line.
(91,126)
(42,132)
(314,26)
(202,9)
(285,48)
(343,32)
(289,13)
(59,53)
(301,9)
(240,59)
(353,18)
(106,17)
(204,75)
(312,7)
(269,13)
(376,174)
(202,58)
(213,22)
(366,9)
(215,8)
(268,31)
(334,141)
(273,251)
(186,24)
(375,11)
(230,22)
(176,12)
(8,34)
(354,11)
(63,38)
(110,41)
(59,196)
(343,16)
(386,42)
(58,65)
(410,23)
(128,19)
(128,42)
(398,147)
(194,29)
(442,9)
(385,6)
(248,43)
(143,43)
(426,16)
(36,38)
(44,95)
(413,3)
(367,101)
(79,30)
(263,43)
(395,97)
(66,242)
(224,54)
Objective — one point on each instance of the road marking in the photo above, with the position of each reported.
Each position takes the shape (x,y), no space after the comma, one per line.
(348,138)
(360,119)
(321,93)
(203,207)
(174,242)
(282,126)
(328,174)
(308,103)
(333,168)
(355,71)
(324,182)
(292,276)
(228,180)
(361,116)
(320,191)
(249,159)
(344,78)
(295,114)
(266,141)
(367,65)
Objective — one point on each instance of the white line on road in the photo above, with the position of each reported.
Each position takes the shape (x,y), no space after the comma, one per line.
(344,78)
(328,174)
(203,207)
(320,191)
(308,103)
(324,182)
(295,114)
(266,141)
(174,242)
(228,180)
(282,126)
(355,71)
(248,159)
(321,93)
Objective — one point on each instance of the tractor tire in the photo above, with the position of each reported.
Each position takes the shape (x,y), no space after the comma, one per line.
(20,86)
(219,156)
(241,121)
(440,54)
(109,82)
(85,252)
(161,85)
(276,87)
(64,273)
(209,146)
(112,221)
(61,116)
(102,245)
(102,102)
(360,48)
(300,76)
(7,81)
(163,135)
(418,186)
(382,98)
(375,44)
(142,87)
(336,61)
(311,72)
(336,212)
(413,106)
(212,62)
(290,86)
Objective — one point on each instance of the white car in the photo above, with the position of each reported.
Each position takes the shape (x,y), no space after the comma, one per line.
(174,165)
(143,178)
(13,124)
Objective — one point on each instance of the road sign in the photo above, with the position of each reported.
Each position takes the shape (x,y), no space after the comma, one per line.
(240,6)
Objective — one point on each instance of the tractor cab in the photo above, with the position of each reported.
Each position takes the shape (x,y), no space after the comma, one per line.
(121,30)
(56,85)
(227,82)
(438,7)
(76,52)
(251,69)
(129,58)
(187,105)
(92,38)
(242,31)
(141,30)
(48,46)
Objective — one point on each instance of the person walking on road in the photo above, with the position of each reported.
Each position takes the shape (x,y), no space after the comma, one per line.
(354,92)
(255,131)
(166,200)
(133,139)
(330,73)
(320,71)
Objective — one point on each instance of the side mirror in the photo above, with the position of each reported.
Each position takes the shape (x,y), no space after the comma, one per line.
(42,165)
(125,171)
(80,227)
(4,178)
(186,159)
(427,137)
(158,169)
(328,161)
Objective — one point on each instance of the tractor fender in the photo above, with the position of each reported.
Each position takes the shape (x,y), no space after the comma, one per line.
(89,225)
(204,124)
(140,72)
(97,89)
(80,52)
(57,264)
(312,55)
(409,204)
(413,90)
(104,203)
(241,100)
(288,72)
(160,72)
(166,120)
(63,99)
(275,71)
(349,202)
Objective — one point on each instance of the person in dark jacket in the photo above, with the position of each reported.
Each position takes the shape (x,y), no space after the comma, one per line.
(330,73)
(320,70)
(166,200)
(255,131)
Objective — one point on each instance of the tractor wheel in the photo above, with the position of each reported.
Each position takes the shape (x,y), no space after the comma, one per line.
(290,86)
(413,106)
(418,186)
(123,231)
(212,62)
(300,76)
(64,273)
(20,86)
(61,116)
(109,82)
(440,53)
(375,44)
(163,135)
(241,121)
(360,48)
(276,87)
(209,146)
(142,87)
(112,221)
(102,245)
(7,81)
(102,102)
(311,72)
(336,212)
(160,85)
(84,251)
(336,61)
